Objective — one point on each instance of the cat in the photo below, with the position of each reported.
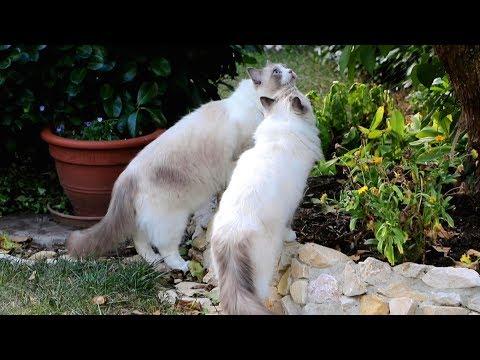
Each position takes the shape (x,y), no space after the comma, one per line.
(255,212)
(177,174)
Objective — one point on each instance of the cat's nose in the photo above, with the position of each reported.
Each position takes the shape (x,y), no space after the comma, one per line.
(292,73)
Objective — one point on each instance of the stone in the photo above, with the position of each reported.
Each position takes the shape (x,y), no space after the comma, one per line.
(190,288)
(451,278)
(210,278)
(43,255)
(207,258)
(128,260)
(350,305)
(289,251)
(299,270)
(473,313)
(352,283)
(284,283)
(324,289)
(444,298)
(402,306)
(412,270)
(298,291)
(426,309)
(169,296)
(474,303)
(320,256)
(289,307)
(374,271)
(214,295)
(402,289)
(274,302)
(200,243)
(373,305)
(333,308)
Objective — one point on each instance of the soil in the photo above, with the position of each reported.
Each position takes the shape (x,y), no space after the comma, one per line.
(313,224)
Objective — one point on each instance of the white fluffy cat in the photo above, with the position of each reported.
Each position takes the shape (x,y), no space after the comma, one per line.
(177,173)
(256,209)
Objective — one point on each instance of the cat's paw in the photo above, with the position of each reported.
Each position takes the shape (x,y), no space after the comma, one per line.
(291,236)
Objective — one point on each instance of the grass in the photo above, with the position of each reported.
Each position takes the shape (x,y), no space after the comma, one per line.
(68,288)
(313,72)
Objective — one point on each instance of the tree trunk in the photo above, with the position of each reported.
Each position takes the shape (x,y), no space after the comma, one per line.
(462,64)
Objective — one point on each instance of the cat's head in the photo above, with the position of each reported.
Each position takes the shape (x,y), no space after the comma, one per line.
(272,79)
(292,106)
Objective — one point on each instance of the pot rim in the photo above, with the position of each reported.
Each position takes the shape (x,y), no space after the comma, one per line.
(48,136)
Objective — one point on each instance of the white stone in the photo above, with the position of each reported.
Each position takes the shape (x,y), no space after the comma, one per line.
(451,278)
(170,296)
(320,256)
(352,283)
(474,303)
(441,310)
(402,306)
(350,305)
(210,278)
(299,270)
(333,308)
(402,289)
(289,307)
(324,289)
(444,298)
(207,258)
(412,270)
(289,251)
(374,271)
(298,291)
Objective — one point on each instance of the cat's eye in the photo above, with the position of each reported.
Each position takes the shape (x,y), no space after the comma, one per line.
(276,71)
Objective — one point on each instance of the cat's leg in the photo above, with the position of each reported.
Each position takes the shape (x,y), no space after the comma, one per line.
(166,235)
(144,249)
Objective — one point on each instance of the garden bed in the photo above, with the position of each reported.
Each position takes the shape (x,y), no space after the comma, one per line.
(314,223)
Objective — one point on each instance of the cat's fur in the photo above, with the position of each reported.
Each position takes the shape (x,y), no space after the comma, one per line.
(256,209)
(176,174)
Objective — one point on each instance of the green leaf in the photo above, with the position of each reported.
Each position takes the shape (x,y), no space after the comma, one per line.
(196,269)
(130,73)
(378,118)
(106,91)
(5,63)
(367,57)
(397,122)
(363,130)
(84,51)
(77,75)
(161,67)
(385,49)
(353,223)
(422,141)
(344,58)
(427,132)
(147,93)
(157,116)
(113,108)
(132,124)
(433,154)
(374,134)
(4,47)
(426,73)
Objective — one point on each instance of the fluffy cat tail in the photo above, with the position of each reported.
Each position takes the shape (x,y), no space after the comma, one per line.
(235,275)
(115,226)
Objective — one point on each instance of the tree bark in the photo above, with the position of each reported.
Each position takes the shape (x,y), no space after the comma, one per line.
(462,64)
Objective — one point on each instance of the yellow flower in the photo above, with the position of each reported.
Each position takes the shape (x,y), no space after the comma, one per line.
(377,160)
(474,154)
(439,138)
(432,199)
(362,190)
(365,167)
(465,259)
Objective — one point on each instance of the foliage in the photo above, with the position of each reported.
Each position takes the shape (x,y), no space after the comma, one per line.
(98,92)
(392,65)
(399,169)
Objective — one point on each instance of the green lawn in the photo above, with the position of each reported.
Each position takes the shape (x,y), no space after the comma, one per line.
(313,73)
(69,288)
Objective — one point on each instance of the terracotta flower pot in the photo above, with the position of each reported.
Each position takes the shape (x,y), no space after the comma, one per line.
(88,169)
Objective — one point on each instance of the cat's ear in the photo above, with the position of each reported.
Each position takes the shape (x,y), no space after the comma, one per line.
(298,106)
(266,102)
(255,75)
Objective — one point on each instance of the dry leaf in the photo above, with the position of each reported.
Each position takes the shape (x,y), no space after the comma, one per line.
(99,300)
(442,249)
(355,257)
(33,276)
(137,312)
(157,312)
(473,252)
(20,239)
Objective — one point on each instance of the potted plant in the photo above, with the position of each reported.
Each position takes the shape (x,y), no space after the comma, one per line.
(109,109)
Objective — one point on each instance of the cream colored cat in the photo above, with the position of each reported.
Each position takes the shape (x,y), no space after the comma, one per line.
(256,209)
(177,173)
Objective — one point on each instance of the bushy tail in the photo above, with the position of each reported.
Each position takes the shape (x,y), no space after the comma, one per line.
(115,226)
(235,275)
